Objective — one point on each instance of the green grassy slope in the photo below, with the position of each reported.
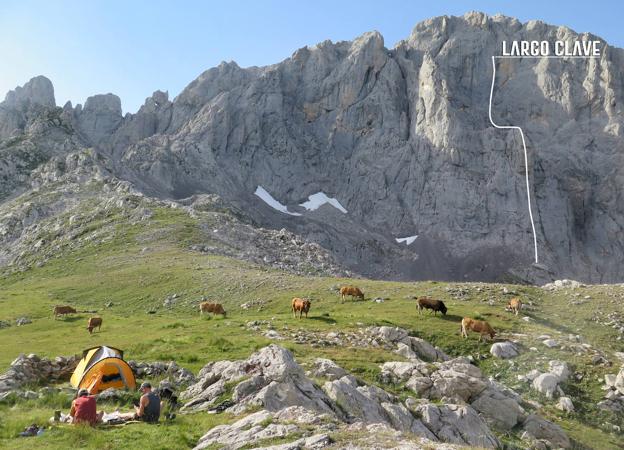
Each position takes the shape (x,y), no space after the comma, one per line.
(142,265)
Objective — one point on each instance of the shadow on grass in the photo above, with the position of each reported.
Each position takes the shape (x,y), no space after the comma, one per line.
(322,319)
(70,319)
(451,318)
(550,324)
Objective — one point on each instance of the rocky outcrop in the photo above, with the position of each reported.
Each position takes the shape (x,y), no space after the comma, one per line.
(32,369)
(614,392)
(410,347)
(457,424)
(174,373)
(459,382)
(301,429)
(272,381)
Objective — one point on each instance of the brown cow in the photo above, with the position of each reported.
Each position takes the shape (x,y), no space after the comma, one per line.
(214,308)
(478,326)
(429,303)
(301,305)
(514,305)
(352,291)
(62,310)
(94,322)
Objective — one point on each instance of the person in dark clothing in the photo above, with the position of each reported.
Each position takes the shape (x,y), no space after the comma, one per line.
(83,409)
(168,401)
(148,409)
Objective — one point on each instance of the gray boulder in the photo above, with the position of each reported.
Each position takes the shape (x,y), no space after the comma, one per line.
(546,384)
(457,379)
(619,381)
(211,373)
(399,372)
(565,404)
(326,368)
(500,411)
(550,343)
(391,334)
(559,369)
(540,429)
(358,402)
(425,350)
(457,424)
(504,350)
(22,321)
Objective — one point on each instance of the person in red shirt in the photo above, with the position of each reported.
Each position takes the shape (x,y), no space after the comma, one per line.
(83,409)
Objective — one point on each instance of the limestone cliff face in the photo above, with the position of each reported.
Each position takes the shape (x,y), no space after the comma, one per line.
(401,138)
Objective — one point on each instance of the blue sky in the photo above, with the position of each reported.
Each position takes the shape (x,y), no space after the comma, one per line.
(132,48)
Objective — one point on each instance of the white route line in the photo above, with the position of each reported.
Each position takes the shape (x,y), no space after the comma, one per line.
(526,159)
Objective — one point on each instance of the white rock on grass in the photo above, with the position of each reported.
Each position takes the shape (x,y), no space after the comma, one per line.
(550,343)
(504,350)
(565,404)
(559,369)
(619,381)
(546,384)
(406,352)
(610,380)
(533,374)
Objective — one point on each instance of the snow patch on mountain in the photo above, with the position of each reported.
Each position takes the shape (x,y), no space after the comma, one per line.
(408,240)
(269,200)
(317,200)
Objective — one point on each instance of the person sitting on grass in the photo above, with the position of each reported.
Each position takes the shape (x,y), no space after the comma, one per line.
(148,409)
(83,409)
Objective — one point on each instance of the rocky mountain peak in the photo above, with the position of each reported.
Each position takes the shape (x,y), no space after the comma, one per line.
(103,104)
(37,91)
(100,117)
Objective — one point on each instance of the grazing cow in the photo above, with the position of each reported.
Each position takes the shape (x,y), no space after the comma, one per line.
(478,326)
(434,305)
(301,305)
(352,291)
(214,308)
(62,310)
(94,322)
(514,305)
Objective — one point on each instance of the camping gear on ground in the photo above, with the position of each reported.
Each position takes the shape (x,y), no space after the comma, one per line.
(33,430)
(218,409)
(112,418)
(62,418)
(101,368)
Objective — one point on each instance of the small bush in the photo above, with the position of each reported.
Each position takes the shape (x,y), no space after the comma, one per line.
(175,325)
(221,344)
